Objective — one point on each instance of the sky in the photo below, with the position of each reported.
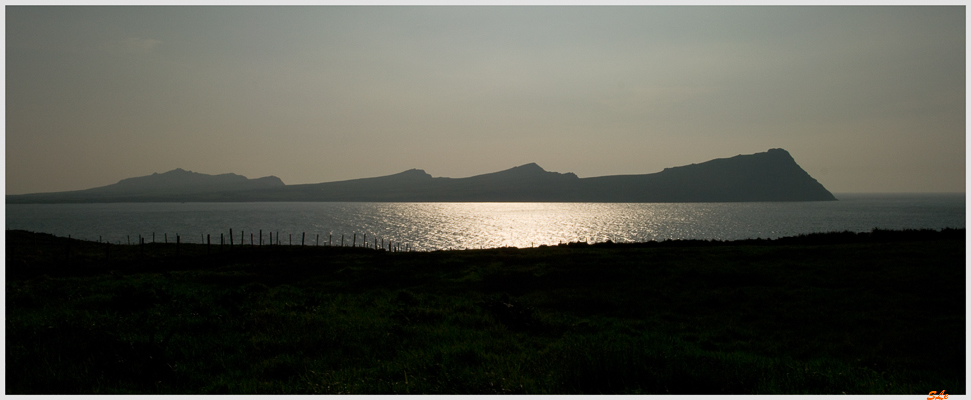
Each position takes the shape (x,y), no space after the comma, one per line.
(865,99)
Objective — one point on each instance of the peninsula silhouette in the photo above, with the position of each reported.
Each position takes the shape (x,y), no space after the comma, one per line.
(769,176)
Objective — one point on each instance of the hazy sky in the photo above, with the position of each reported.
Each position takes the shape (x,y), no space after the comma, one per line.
(866,99)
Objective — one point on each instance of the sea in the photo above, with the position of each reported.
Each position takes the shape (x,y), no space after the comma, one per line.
(441,226)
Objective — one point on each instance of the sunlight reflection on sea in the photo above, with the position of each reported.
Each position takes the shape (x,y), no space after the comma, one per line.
(432,226)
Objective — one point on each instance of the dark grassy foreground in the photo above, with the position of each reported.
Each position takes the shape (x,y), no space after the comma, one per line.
(880,312)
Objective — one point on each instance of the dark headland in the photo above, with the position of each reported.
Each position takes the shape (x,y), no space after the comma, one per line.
(769,176)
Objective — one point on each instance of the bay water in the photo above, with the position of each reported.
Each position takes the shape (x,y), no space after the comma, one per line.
(435,226)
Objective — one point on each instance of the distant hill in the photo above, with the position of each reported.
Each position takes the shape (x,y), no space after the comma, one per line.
(175,185)
(768,176)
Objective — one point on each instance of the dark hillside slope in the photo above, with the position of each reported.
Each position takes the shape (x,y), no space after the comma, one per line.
(826,313)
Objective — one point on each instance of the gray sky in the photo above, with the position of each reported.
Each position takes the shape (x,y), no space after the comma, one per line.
(866,99)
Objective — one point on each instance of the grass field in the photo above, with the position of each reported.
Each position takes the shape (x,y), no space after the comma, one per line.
(878,312)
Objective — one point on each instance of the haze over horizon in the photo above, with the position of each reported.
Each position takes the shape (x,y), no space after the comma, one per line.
(865,99)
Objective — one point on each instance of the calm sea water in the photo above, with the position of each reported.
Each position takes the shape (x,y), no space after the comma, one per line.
(432,226)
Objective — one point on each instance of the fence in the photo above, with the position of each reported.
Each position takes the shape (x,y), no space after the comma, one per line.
(256,240)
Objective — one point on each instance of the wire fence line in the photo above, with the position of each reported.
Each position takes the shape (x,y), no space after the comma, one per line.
(262,238)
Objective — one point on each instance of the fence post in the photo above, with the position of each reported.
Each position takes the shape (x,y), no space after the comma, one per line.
(302,238)
(261,237)
(208,244)
(354,243)
(230,238)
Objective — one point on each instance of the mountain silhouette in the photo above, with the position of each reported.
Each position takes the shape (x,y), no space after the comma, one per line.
(769,176)
(168,186)
(182,180)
